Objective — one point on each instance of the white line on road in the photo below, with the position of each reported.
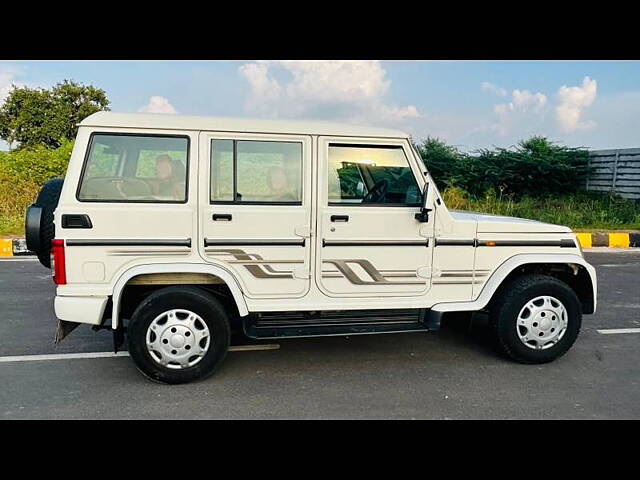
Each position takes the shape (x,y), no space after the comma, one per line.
(18,259)
(611,250)
(627,264)
(69,356)
(609,331)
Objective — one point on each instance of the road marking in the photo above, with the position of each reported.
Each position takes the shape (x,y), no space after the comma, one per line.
(18,259)
(609,331)
(611,250)
(626,264)
(69,356)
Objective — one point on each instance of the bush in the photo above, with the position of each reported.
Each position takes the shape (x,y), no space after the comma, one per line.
(22,173)
(535,167)
(15,194)
(37,164)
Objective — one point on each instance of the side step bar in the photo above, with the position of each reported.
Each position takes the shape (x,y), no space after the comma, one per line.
(345,322)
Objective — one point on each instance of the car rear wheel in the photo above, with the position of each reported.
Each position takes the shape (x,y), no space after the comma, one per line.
(536,319)
(178,335)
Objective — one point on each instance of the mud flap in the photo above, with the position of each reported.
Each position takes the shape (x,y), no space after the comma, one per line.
(64,329)
(118,338)
(432,319)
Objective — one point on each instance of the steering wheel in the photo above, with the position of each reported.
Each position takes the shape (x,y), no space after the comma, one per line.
(377,193)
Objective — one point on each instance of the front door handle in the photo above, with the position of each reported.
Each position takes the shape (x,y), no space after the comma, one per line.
(339,218)
(221,216)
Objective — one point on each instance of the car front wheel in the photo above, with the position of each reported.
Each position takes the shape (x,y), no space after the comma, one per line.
(536,319)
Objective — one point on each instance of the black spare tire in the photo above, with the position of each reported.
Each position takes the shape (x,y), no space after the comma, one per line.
(39,226)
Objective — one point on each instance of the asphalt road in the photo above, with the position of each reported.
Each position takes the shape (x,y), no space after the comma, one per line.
(450,374)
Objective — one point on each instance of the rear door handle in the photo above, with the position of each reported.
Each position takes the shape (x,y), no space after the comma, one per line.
(221,216)
(339,218)
(80,220)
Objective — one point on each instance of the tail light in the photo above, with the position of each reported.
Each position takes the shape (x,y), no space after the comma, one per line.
(58,262)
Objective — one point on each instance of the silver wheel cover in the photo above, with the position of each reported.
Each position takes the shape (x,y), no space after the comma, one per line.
(177,339)
(542,322)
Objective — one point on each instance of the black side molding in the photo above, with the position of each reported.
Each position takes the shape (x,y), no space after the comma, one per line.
(76,221)
(375,243)
(474,242)
(128,243)
(249,242)
(457,242)
(563,243)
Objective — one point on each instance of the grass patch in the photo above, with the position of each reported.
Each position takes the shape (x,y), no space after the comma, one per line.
(580,210)
(15,195)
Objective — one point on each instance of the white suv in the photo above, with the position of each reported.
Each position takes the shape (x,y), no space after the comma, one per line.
(173,229)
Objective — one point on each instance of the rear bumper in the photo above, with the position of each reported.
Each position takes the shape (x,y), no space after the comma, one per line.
(80,309)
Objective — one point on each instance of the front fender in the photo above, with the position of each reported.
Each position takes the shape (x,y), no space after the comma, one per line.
(508,266)
(220,272)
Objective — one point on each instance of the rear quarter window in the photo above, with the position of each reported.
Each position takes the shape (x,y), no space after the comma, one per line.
(135,168)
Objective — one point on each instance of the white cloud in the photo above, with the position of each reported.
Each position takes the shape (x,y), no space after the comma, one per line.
(525,100)
(264,90)
(572,100)
(336,80)
(7,81)
(340,89)
(524,109)
(522,101)
(490,87)
(158,104)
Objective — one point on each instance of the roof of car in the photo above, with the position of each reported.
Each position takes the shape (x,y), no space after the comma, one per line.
(252,125)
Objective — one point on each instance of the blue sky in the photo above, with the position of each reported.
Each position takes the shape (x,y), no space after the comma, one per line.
(471,104)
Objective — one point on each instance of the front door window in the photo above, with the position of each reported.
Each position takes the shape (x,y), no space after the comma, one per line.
(371,175)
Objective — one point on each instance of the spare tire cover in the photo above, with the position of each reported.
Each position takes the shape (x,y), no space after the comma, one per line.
(47,200)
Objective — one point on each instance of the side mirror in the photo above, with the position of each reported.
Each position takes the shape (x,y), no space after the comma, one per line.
(423,216)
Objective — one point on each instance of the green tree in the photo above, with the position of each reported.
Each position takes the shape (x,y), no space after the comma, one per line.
(442,160)
(37,116)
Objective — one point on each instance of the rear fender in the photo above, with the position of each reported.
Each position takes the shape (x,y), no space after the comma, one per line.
(217,271)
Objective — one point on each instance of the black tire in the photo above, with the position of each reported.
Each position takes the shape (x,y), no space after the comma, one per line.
(188,298)
(48,199)
(513,297)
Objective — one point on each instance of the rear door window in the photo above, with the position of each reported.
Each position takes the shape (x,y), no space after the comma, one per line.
(255,172)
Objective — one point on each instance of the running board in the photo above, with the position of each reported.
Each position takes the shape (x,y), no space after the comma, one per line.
(343,322)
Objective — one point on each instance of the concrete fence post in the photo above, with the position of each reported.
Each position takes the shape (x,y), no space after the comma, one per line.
(615,171)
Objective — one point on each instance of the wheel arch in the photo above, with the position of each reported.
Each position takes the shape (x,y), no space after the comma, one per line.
(217,272)
(570,268)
